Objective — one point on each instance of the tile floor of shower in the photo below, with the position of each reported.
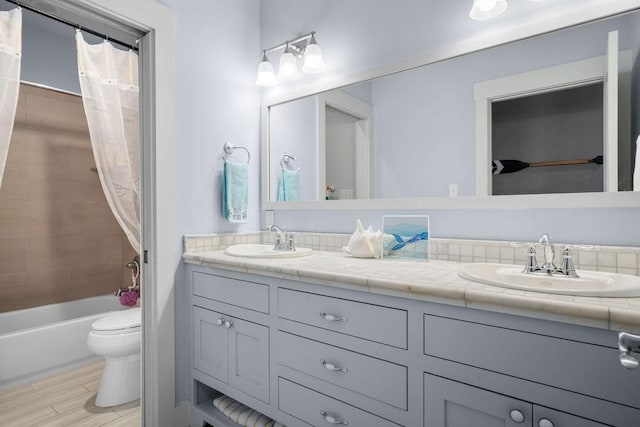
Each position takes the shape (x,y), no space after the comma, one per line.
(65,399)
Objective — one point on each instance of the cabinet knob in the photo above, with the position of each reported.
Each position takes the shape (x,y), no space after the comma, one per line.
(544,422)
(331,367)
(516,416)
(220,321)
(228,324)
(334,317)
(333,420)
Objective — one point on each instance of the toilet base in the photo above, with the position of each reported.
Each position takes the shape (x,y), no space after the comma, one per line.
(120,381)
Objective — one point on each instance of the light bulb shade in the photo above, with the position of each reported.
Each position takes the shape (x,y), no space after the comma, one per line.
(313,61)
(288,66)
(266,77)
(486,9)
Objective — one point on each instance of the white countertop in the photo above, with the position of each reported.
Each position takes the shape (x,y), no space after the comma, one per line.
(434,281)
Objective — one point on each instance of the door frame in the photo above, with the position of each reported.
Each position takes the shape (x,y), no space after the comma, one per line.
(160,242)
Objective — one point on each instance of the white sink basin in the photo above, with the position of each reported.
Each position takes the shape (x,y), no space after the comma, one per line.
(253,250)
(590,283)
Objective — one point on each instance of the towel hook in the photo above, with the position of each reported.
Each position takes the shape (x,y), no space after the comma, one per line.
(285,159)
(229,148)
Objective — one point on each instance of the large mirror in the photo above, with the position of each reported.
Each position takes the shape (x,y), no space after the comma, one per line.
(448,128)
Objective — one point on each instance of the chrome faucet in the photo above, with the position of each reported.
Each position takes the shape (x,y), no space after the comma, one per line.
(567,268)
(549,253)
(284,241)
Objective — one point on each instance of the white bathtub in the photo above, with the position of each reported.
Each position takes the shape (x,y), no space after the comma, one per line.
(41,340)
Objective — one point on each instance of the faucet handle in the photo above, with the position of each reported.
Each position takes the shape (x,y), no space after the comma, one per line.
(531,263)
(583,247)
(291,240)
(567,266)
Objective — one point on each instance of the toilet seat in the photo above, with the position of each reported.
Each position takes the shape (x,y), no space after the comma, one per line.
(118,323)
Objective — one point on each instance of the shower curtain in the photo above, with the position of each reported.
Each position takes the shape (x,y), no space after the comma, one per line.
(10,51)
(110,89)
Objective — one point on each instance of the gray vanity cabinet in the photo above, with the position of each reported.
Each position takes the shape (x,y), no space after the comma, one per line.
(311,354)
(233,351)
(449,403)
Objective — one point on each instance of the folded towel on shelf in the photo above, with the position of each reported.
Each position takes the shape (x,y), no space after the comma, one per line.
(289,189)
(235,192)
(242,414)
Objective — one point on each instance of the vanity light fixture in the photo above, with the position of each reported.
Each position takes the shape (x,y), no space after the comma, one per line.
(266,77)
(303,47)
(486,9)
(288,65)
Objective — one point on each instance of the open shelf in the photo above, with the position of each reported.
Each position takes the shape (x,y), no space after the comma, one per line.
(204,402)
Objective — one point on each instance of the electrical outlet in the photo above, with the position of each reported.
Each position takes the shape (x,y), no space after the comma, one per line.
(346,194)
(453,190)
(269,218)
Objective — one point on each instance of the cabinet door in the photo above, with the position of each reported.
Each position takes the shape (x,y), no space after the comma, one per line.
(451,404)
(545,417)
(209,343)
(249,358)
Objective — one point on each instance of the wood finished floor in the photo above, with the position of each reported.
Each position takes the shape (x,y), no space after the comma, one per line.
(64,400)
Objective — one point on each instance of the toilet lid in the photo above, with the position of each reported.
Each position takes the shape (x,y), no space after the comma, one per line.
(125,319)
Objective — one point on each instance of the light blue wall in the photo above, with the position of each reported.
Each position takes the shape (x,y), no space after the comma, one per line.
(293,131)
(217,52)
(366,34)
(216,101)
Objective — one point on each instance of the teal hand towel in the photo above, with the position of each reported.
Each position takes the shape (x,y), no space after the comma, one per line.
(289,189)
(235,191)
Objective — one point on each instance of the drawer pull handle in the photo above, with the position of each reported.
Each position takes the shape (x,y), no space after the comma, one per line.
(331,367)
(545,423)
(628,343)
(334,318)
(220,321)
(228,324)
(332,420)
(516,416)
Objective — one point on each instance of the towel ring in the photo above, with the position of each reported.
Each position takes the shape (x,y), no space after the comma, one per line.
(285,159)
(229,148)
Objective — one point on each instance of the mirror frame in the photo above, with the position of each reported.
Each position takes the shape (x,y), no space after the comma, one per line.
(528,201)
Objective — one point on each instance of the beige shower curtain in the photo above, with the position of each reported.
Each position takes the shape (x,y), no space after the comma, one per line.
(110,94)
(10,52)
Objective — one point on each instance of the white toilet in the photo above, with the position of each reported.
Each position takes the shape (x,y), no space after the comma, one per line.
(117,338)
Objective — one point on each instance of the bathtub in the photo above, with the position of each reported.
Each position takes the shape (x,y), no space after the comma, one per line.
(41,340)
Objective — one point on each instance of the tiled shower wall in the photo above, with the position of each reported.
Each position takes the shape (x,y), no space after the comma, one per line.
(58,239)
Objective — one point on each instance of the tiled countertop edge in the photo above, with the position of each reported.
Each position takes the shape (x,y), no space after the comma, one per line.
(542,306)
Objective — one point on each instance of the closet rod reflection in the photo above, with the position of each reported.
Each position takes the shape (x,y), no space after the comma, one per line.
(71,24)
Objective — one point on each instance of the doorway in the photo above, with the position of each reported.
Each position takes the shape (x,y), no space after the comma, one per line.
(566,124)
(345,141)
(610,72)
(156,52)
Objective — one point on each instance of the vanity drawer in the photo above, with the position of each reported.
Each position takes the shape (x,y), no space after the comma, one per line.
(576,366)
(250,295)
(371,322)
(312,407)
(375,378)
